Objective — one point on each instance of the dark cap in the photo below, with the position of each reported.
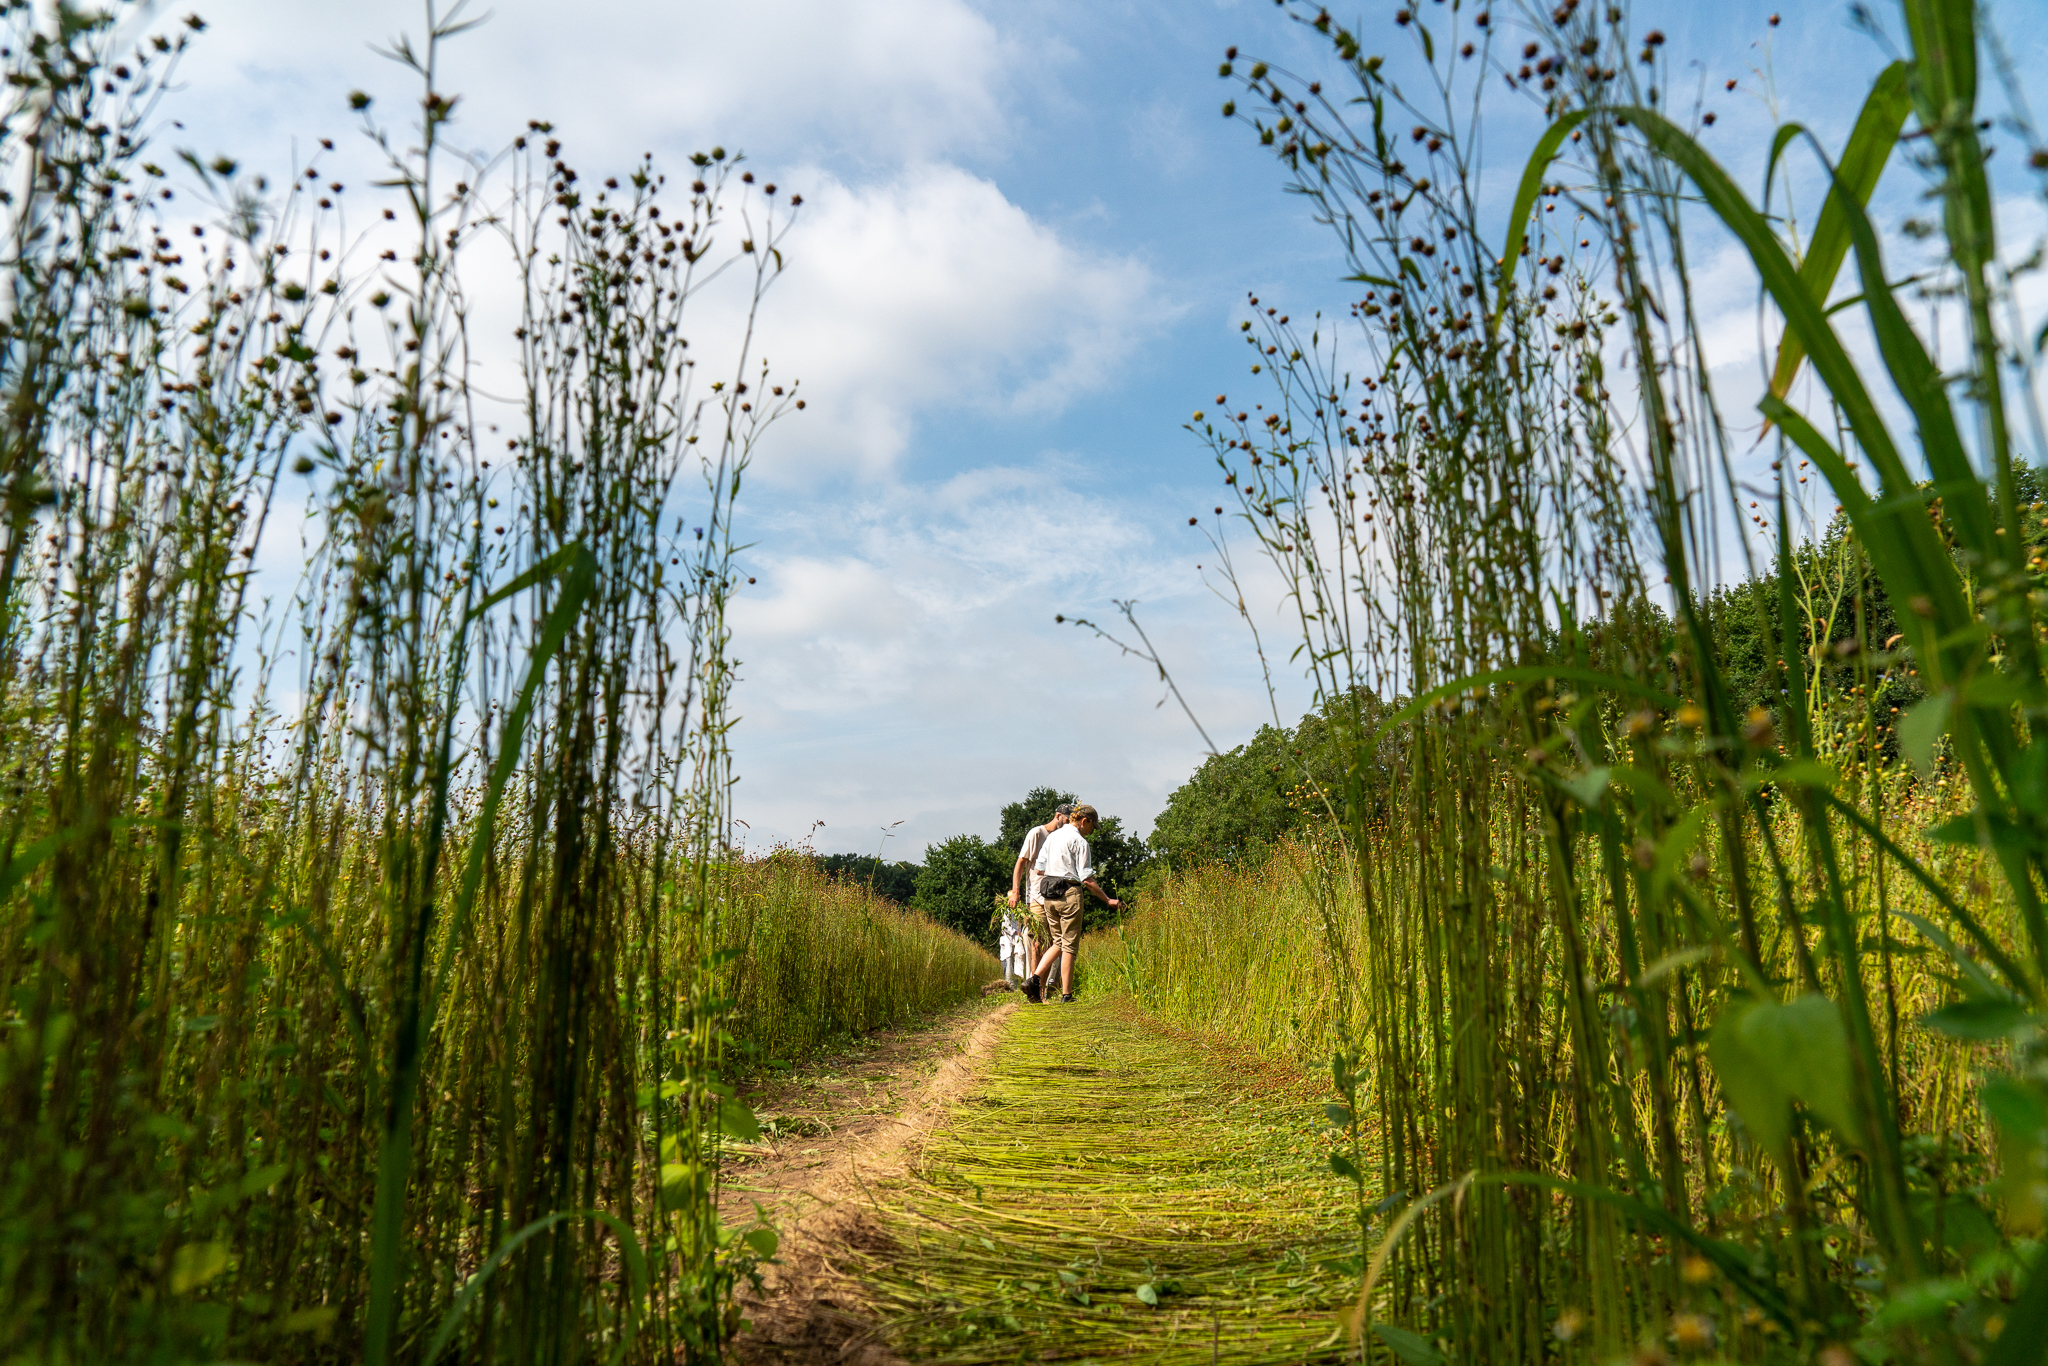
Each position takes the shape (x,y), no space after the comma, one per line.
(1084,812)
(1063,809)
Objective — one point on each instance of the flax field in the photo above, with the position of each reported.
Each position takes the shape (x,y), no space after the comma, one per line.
(1666,947)
(378,963)
(1672,932)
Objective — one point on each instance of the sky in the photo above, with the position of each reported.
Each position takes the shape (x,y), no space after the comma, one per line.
(1027,241)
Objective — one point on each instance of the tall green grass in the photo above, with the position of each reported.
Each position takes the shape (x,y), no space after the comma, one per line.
(1658,1025)
(376,964)
(818,957)
(1239,950)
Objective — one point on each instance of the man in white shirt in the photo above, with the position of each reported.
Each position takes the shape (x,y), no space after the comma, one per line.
(1064,864)
(1033,920)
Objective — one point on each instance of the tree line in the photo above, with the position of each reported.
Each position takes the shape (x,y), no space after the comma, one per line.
(1287,780)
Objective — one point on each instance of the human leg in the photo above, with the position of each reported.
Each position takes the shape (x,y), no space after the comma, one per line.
(1063,919)
(1041,955)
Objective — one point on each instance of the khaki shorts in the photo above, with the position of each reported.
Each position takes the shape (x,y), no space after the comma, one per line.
(1035,921)
(1063,917)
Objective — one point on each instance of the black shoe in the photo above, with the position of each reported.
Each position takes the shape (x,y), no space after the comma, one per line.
(1033,991)
(1068,998)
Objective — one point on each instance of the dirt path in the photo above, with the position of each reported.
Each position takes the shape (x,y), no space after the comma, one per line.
(830,1135)
(1061,1183)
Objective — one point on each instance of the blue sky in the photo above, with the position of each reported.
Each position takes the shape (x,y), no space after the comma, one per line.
(1028,238)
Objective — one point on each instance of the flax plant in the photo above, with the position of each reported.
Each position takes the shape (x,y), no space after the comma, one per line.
(377,963)
(1641,974)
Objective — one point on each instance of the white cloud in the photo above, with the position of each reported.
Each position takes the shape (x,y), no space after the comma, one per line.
(1160,132)
(914,286)
(902,661)
(867,80)
(932,291)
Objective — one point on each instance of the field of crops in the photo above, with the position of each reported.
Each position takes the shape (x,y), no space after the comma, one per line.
(378,972)
(1675,922)
(1643,956)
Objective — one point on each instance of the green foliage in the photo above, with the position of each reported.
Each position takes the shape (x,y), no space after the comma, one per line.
(816,958)
(958,882)
(1239,803)
(1644,884)
(1768,1054)
(304,1019)
(1235,805)
(1842,603)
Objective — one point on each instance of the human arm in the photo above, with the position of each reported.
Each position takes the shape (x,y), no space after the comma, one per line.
(1017,876)
(1106,900)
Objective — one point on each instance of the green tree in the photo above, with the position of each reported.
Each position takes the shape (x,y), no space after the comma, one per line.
(960,879)
(1236,804)
(1118,857)
(1835,582)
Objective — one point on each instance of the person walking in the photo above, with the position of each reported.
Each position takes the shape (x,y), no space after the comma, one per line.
(1065,864)
(1034,901)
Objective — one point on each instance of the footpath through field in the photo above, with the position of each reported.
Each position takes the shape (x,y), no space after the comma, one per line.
(1100,1190)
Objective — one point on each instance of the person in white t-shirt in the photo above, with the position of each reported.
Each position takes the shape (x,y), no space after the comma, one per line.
(1063,862)
(1030,926)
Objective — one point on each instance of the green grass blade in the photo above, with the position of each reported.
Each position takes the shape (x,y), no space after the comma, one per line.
(1525,202)
(1732,1260)
(1982,938)
(537,572)
(28,860)
(1948,610)
(1945,51)
(575,590)
(1863,161)
(1920,384)
(452,1320)
(337,976)
(1878,524)
(630,1251)
(1855,501)
(1803,312)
